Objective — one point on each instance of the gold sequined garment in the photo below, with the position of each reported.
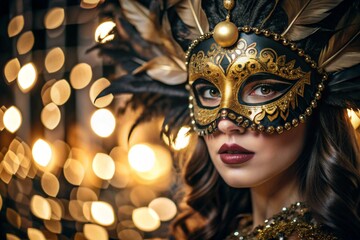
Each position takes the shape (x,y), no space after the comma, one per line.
(295,222)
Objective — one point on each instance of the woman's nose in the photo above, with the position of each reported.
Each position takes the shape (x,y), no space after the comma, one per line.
(228,127)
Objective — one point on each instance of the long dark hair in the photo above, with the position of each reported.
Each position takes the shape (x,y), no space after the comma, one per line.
(328,172)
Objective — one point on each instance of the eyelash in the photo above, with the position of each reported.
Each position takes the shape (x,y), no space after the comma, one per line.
(203,89)
(277,87)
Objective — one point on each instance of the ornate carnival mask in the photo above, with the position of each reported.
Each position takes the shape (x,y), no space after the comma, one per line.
(253,77)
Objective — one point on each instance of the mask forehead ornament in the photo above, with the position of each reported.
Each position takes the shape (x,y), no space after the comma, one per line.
(255,78)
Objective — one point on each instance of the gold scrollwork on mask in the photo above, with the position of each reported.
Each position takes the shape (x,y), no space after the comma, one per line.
(241,62)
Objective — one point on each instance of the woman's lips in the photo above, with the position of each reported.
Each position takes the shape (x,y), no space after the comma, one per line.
(234,154)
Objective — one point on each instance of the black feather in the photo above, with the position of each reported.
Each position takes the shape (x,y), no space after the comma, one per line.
(143,84)
(343,89)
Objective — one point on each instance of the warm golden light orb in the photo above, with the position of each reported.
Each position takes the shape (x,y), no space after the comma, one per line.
(51,116)
(27,77)
(95,232)
(354,118)
(164,207)
(25,42)
(16,25)
(60,92)
(141,158)
(103,122)
(12,69)
(103,166)
(42,153)
(95,89)
(80,75)
(54,60)
(35,234)
(50,184)
(183,138)
(146,219)
(40,207)
(102,33)
(12,119)
(102,213)
(54,18)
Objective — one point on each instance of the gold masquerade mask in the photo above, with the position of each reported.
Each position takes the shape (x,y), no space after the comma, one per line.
(263,82)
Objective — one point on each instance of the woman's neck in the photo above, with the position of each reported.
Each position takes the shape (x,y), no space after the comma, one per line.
(270,197)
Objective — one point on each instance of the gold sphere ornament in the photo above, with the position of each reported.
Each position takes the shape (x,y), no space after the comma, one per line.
(229,4)
(226,34)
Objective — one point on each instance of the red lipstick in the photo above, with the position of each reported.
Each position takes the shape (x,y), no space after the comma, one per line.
(234,154)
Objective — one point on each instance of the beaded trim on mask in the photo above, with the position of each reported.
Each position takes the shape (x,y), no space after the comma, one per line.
(248,123)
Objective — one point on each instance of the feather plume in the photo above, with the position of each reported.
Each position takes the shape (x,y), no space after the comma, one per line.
(343,88)
(193,16)
(270,14)
(139,16)
(144,84)
(305,12)
(343,49)
(164,69)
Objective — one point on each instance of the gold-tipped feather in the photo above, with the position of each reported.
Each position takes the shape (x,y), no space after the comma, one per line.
(343,48)
(193,16)
(302,13)
(164,69)
(139,16)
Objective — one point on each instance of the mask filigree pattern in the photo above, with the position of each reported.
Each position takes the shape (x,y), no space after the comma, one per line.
(229,70)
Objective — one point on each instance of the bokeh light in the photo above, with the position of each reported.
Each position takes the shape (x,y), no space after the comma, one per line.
(35,234)
(102,33)
(354,117)
(129,234)
(40,207)
(146,219)
(91,1)
(51,116)
(102,213)
(103,122)
(57,209)
(13,217)
(16,25)
(42,153)
(103,166)
(182,138)
(71,184)
(164,207)
(60,92)
(12,119)
(26,42)
(54,60)
(141,158)
(54,18)
(80,75)
(74,171)
(50,184)
(12,69)
(96,88)
(95,232)
(27,77)
(11,162)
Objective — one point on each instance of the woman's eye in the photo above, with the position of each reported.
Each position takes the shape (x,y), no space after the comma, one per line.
(264,90)
(208,94)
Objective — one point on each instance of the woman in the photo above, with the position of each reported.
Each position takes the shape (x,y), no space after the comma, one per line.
(269,85)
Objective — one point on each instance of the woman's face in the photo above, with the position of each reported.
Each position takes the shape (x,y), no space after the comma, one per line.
(246,158)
